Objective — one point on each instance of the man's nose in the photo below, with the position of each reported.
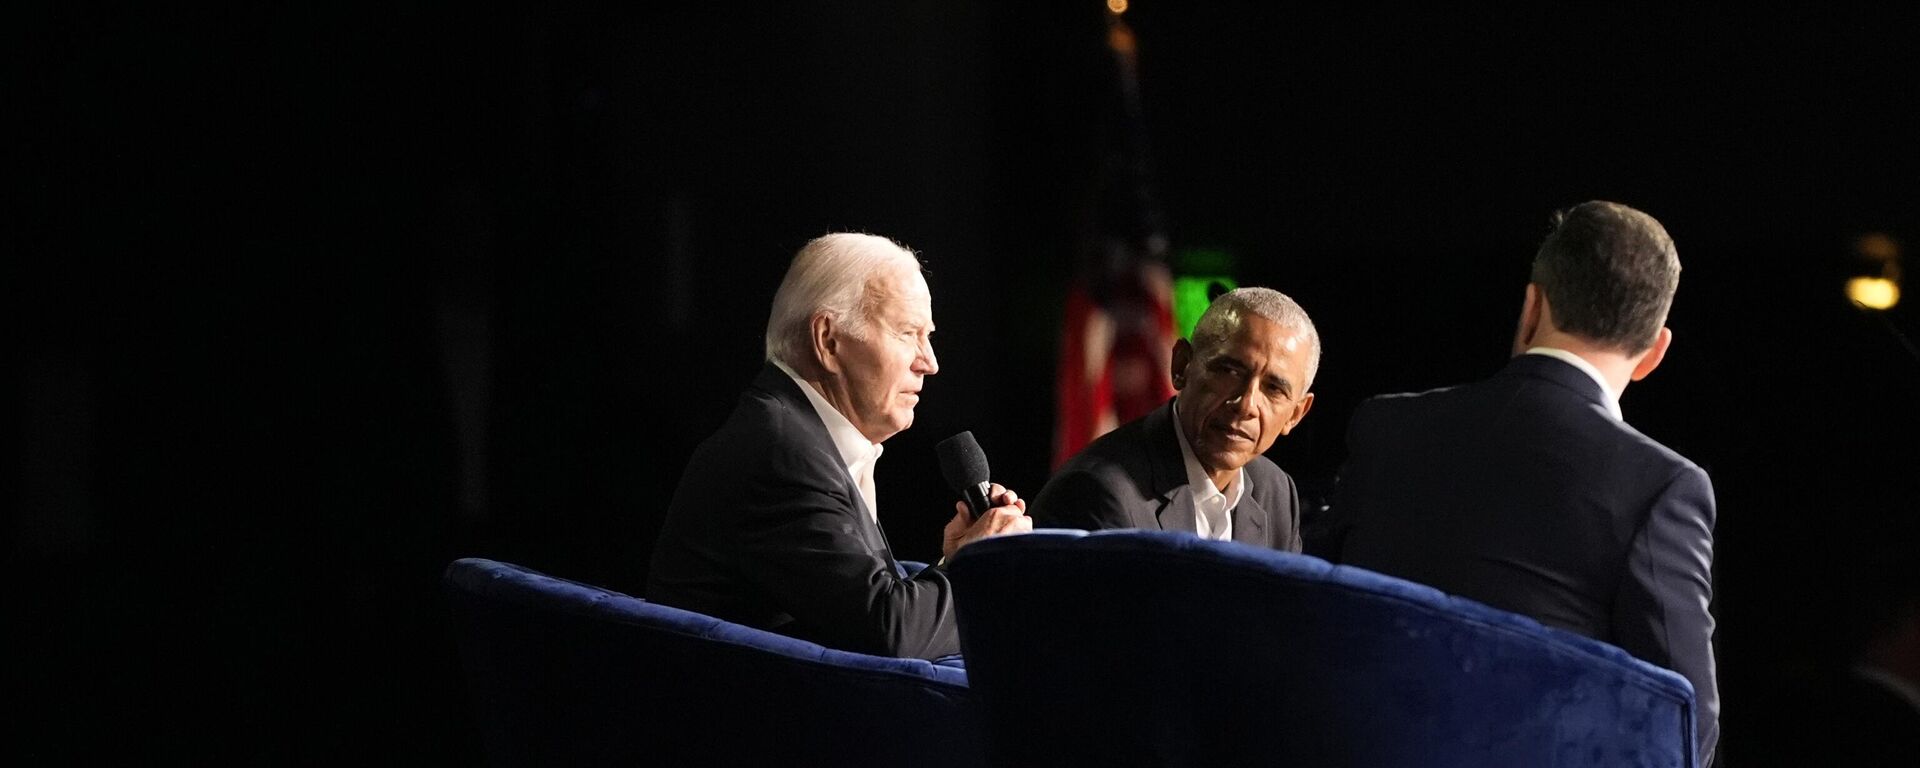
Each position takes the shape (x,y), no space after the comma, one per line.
(1246,402)
(926,363)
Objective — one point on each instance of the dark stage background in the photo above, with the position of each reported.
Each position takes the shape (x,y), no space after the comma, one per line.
(310,302)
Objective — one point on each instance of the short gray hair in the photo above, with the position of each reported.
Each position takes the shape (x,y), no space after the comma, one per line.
(1224,313)
(830,275)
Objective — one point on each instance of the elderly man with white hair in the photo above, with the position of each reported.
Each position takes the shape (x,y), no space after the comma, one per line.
(774,523)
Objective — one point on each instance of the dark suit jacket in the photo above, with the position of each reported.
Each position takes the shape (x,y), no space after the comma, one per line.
(1524,493)
(1135,477)
(768,530)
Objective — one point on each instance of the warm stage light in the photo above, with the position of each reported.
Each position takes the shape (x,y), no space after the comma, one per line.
(1875,283)
(1873,292)
(1117,6)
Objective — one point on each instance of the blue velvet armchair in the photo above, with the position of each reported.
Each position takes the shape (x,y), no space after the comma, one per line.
(563,673)
(1157,648)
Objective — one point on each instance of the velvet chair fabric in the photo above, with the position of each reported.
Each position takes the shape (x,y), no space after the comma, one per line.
(1135,647)
(563,673)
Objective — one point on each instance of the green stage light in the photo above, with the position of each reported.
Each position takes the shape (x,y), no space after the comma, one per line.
(1200,275)
(1192,294)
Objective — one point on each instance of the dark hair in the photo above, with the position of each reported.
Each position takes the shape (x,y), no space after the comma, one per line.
(1609,273)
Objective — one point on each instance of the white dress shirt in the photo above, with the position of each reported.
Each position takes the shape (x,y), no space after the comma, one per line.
(856,452)
(1212,509)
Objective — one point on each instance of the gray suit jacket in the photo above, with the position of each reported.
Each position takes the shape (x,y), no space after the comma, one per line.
(1135,477)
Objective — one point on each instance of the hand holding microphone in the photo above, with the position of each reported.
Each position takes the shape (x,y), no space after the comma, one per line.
(986,508)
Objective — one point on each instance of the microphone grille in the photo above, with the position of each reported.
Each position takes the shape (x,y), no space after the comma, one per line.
(961,461)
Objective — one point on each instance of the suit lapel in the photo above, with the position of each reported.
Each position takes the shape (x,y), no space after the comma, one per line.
(1249,518)
(1176,512)
(1169,471)
(782,387)
(869,530)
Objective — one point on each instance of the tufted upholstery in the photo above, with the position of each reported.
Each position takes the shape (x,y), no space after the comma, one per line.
(1137,647)
(563,673)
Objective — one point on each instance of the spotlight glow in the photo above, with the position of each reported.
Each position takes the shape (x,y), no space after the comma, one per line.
(1117,6)
(1873,292)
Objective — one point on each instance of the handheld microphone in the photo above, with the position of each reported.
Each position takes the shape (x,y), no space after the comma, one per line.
(965,467)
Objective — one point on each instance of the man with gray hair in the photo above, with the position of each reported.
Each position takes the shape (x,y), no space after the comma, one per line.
(1527,491)
(1195,463)
(774,523)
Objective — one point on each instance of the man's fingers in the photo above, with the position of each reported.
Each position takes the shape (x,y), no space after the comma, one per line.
(1004,519)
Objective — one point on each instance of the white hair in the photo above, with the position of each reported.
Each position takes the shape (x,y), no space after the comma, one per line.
(829,275)
(1224,312)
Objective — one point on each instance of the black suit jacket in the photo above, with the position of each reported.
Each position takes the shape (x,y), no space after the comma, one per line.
(1524,493)
(768,530)
(1135,477)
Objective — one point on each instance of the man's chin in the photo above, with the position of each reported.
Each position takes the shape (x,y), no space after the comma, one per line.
(1222,445)
(1226,460)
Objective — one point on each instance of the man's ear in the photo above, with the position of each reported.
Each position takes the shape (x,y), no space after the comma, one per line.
(1182,355)
(1531,310)
(1651,358)
(1300,408)
(824,336)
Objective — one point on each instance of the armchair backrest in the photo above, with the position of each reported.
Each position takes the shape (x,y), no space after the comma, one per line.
(564,673)
(1155,648)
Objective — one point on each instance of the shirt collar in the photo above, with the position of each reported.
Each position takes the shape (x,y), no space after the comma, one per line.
(1612,397)
(1198,481)
(853,447)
